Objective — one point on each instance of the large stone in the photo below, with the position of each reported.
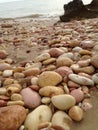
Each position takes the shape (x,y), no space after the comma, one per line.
(81,79)
(40,115)
(61,121)
(63,102)
(11,117)
(31,98)
(49,78)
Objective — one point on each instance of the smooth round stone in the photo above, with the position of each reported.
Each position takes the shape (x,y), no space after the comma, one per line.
(31,98)
(88,70)
(94,60)
(61,121)
(64,61)
(84,63)
(50,67)
(64,71)
(65,49)
(32,72)
(76,113)
(3,54)
(78,94)
(49,78)
(19,102)
(5,66)
(18,75)
(46,100)
(55,52)
(74,43)
(72,84)
(10,115)
(34,81)
(49,61)
(81,79)
(95,48)
(3,91)
(76,49)
(7,73)
(77,56)
(95,78)
(34,87)
(85,52)
(8,81)
(19,69)
(50,91)
(42,57)
(39,115)
(16,97)
(68,55)
(63,102)
(87,44)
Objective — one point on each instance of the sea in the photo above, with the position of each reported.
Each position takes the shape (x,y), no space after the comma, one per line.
(41,8)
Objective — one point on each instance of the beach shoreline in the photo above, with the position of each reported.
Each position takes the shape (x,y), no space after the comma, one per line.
(25,38)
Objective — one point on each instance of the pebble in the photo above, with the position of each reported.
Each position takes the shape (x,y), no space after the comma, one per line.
(49,78)
(50,91)
(95,78)
(78,94)
(64,71)
(5,66)
(49,61)
(7,73)
(94,61)
(42,57)
(63,102)
(39,115)
(81,79)
(3,91)
(76,113)
(31,72)
(16,97)
(18,75)
(46,100)
(61,121)
(31,98)
(64,61)
(68,55)
(12,89)
(86,44)
(34,80)
(19,102)
(9,115)
(76,49)
(55,52)
(3,54)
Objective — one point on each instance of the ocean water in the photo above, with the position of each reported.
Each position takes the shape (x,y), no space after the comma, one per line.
(44,8)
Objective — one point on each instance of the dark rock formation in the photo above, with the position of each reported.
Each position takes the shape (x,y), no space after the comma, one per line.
(77,10)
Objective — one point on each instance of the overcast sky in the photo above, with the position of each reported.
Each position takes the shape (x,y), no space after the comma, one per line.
(84,1)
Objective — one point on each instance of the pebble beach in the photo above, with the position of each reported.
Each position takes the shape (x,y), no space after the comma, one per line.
(48,74)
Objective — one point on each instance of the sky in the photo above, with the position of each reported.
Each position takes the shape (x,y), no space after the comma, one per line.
(84,1)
